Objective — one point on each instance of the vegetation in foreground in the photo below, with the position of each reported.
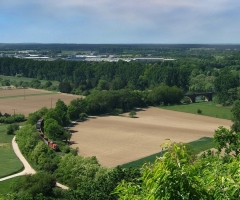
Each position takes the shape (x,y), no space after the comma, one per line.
(195,147)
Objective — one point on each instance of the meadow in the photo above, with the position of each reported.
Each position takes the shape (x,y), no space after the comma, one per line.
(208,109)
(9,162)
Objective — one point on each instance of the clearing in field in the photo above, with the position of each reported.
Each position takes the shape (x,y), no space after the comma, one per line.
(116,140)
(25,101)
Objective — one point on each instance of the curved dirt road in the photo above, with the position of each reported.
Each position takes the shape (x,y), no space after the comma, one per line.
(27,168)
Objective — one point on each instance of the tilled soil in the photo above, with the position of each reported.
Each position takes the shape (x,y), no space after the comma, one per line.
(116,140)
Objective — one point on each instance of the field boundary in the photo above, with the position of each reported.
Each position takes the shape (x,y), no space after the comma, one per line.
(200,145)
(28,95)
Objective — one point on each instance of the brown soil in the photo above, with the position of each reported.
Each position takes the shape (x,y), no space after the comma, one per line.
(30,103)
(116,140)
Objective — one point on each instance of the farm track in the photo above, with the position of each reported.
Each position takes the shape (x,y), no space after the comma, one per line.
(27,168)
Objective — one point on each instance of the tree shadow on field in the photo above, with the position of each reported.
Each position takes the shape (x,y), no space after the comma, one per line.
(73,131)
(72,142)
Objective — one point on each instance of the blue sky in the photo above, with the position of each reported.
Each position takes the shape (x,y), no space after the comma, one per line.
(124,21)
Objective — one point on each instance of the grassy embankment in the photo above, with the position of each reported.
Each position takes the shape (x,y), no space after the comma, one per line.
(208,109)
(9,162)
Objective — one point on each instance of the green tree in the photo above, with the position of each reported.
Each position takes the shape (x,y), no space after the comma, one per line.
(236,116)
(11,128)
(53,130)
(227,140)
(32,185)
(132,113)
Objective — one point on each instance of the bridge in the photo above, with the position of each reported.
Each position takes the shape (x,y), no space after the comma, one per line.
(192,96)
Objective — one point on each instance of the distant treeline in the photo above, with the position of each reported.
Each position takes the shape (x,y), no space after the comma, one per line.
(117,48)
(195,71)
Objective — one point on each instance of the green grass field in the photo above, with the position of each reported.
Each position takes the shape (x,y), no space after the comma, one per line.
(9,162)
(18,79)
(6,186)
(208,109)
(197,146)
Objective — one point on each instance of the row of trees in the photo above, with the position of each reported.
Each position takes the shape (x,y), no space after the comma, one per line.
(9,119)
(113,101)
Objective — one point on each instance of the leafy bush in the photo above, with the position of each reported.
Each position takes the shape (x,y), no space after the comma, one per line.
(199,111)
(132,113)
(12,128)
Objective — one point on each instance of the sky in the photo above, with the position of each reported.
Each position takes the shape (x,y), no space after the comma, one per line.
(120,21)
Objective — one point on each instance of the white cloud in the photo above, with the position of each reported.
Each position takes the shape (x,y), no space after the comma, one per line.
(155,20)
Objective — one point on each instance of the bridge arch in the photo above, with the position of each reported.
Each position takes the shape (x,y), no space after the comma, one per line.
(192,96)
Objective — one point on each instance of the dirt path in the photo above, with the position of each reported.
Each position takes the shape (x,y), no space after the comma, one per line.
(27,168)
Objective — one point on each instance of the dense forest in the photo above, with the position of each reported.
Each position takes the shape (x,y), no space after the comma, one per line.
(195,70)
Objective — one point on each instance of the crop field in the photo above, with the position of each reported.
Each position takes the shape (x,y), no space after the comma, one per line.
(116,140)
(30,100)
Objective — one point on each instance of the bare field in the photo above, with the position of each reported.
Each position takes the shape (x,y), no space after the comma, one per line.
(30,103)
(116,140)
(20,92)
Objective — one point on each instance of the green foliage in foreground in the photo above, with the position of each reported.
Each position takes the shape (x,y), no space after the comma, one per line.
(196,147)
(208,109)
(177,175)
(7,185)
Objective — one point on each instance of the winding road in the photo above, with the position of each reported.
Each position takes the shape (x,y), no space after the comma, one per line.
(27,168)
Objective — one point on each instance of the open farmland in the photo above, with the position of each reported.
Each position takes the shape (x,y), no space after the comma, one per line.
(116,140)
(31,101)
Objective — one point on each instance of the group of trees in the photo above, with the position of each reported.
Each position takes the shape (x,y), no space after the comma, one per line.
(9,119)
(115,101)
(55,119)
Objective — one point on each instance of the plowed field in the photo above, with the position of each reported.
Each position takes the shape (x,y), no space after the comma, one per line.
(25,102)
(116,140)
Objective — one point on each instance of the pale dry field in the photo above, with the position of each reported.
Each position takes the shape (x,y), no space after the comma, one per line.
(20,92)
(116,140)
(31,103)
